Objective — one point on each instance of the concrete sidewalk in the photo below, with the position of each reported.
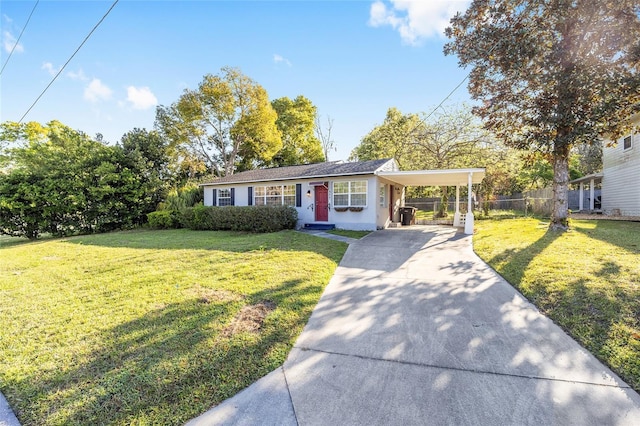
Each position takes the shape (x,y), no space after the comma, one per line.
(7,418)
(414,328)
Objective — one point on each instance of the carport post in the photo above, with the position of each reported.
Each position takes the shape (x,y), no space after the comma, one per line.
(581,196)
(468,221)
(456,215)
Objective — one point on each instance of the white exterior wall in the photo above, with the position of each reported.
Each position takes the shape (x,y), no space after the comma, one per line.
(370,218)
(621,177)
(383,219)
(366,220)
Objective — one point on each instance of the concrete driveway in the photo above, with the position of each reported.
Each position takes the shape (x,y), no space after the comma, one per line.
(414,328)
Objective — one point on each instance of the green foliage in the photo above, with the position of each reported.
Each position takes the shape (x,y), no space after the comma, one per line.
(227,123)
(147,156)
(296,122)
(448,139)
(20,212)
(164,219)
(62,182)
(181,198)
(235,218)
(551,75)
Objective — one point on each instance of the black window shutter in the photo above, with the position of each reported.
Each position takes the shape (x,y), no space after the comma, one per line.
(233,196)
(298,195)
(215,197)
(250,199)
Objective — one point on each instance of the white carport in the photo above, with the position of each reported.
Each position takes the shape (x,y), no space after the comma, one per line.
(450,177)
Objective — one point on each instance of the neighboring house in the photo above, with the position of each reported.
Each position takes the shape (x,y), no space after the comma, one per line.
(621,175)
(364,195)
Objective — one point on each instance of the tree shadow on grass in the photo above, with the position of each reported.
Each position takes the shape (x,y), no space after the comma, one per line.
(601,318)
(515,262)
(604,319)
(170,364)
(620,233)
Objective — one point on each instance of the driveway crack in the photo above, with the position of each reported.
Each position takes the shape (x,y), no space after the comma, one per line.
(467,370)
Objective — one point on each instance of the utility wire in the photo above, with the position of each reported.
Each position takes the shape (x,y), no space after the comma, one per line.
(19,37)
(68,60)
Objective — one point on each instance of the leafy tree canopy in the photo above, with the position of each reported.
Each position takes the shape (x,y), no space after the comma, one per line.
(61,181)
(449,139)
(227,122)
(551,74)
(296,121)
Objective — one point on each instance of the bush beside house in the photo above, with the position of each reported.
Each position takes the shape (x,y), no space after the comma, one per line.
(230,218)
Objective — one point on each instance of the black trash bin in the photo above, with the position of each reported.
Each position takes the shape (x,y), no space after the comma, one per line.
(408,215)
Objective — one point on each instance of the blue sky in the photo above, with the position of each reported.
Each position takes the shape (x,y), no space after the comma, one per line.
(352,59)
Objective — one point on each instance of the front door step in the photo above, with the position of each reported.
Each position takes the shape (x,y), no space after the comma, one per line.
(319,226)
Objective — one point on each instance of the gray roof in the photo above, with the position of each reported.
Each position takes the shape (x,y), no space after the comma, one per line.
(305,171)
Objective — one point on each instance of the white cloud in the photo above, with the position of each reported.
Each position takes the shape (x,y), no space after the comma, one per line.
(141,97)
(48,66)
(8,41)
(97,91)
(415,20)
(280,59)
(79,75)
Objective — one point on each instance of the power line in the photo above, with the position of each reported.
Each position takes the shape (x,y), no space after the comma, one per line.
(68,60)
(19,37)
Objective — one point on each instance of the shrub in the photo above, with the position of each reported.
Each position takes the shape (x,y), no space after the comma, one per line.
(164,219)
(247,219)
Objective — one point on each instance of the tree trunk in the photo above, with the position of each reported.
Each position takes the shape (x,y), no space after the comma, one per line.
(560,213)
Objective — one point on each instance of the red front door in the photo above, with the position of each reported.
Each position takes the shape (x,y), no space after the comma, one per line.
(322,204)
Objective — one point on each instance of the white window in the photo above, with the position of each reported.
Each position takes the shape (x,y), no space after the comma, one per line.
(224,197)
(626,144)
(350,194)
(274,195)
(383,195)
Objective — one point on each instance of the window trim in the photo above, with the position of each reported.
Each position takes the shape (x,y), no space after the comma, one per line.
(350,193)
(283,195)
(382,195)
(228,197)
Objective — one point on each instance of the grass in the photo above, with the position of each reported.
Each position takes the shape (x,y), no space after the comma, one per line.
(424,214)
(587,280)
(348,233)
(150,327)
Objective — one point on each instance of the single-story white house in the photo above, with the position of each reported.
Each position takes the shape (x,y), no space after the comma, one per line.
(366,195)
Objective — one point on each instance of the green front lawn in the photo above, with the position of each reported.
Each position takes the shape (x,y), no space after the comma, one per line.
(150,327)
(348,233)
(586,280)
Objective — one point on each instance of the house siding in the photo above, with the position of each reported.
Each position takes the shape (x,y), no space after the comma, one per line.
(369,219)
(621,177)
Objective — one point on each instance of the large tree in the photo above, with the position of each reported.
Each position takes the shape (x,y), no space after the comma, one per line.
(146,155)
(296,121)
(447,139)
(61,181)
(227,121)
(551,74)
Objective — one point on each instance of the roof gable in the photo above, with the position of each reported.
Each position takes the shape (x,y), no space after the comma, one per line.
(307,171)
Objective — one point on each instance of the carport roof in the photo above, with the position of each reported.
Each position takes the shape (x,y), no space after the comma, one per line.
(449,177)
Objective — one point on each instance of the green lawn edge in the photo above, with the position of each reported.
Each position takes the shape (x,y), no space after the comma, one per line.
(586,280)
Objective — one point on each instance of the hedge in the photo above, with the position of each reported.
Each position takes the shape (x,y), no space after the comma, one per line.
(164,219)
(230,218)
